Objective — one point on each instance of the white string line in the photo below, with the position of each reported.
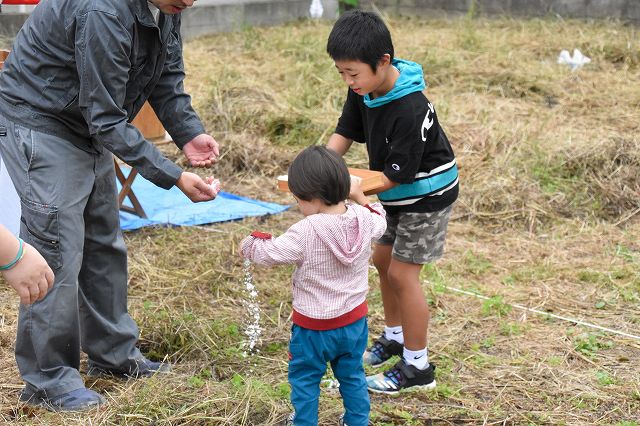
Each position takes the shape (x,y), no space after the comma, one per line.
(524,308)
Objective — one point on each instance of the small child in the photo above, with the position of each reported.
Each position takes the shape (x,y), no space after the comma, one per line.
(330,247)
(386,109)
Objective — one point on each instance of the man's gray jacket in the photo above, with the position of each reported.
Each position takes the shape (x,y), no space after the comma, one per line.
(82,69)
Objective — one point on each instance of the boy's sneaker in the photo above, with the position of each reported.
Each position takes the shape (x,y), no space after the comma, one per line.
(78,400)
(381,351)
(402,377)
(143,368)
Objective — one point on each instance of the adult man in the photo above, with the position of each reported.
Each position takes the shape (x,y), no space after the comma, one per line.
(79,71)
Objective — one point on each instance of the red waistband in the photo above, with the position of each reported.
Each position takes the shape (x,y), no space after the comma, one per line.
(350,317)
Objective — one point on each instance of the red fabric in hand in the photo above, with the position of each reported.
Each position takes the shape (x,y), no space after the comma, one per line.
(261,235)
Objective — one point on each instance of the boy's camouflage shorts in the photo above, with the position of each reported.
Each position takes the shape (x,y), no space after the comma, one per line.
(417,237)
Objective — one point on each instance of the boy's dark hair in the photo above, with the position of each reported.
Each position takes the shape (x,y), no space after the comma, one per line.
(318,172)
(360,36)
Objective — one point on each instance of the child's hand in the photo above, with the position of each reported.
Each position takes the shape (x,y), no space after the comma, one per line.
(356,193)
(31,277)
(247,243)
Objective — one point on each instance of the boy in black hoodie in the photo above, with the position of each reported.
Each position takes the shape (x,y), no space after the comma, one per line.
(386,109)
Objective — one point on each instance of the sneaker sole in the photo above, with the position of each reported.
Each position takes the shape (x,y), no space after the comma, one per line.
(417,388)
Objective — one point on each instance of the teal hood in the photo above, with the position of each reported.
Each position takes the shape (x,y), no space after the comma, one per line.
(411,80)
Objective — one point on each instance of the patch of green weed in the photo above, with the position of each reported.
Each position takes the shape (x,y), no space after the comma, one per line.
(495,306)
(511,329)
(604,378)
(590,343)
(476,264)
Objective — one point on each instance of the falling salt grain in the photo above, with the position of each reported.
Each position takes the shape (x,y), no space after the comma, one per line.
(252,328)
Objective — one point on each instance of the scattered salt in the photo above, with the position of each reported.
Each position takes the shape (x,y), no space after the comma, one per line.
(252,328)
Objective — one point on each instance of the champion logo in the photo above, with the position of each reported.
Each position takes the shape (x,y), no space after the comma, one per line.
(386,140)
(395,167)
(428,122)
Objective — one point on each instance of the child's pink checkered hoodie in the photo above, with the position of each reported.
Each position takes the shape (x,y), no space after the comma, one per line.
(332,252)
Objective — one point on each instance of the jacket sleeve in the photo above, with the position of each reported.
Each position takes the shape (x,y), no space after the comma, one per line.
(286,249)
(102,49)
(169,100)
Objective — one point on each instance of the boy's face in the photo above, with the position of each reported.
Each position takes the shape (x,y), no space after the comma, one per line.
(360,77)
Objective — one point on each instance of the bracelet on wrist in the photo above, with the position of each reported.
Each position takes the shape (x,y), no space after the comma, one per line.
(16,260)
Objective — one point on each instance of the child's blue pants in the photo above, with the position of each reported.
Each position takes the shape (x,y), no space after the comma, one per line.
(310,350)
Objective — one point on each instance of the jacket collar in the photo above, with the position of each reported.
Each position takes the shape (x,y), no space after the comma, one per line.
(144,17)
(143,14)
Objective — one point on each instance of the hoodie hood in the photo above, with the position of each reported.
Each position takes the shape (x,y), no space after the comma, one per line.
(346,235)
(411,80)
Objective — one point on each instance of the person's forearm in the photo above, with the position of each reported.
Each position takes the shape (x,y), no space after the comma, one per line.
(339,144)
(387,184)
(9,246)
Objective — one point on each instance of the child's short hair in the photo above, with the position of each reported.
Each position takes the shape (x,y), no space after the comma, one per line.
(360,36)
(318,172)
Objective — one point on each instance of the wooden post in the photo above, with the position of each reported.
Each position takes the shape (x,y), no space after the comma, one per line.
(148,123)
(3,57)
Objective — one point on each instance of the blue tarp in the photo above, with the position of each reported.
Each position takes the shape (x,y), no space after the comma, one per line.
(172,207)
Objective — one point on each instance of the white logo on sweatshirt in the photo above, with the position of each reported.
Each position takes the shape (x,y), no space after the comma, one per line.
(428,122)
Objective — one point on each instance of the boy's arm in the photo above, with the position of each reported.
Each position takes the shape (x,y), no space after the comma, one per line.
(339,143)
(349,127)
(387,184)
(265,250)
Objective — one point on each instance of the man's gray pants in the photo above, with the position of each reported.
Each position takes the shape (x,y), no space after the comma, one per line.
(70,215)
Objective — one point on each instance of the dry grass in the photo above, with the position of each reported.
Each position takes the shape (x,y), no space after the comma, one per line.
(5,42)
(547,219)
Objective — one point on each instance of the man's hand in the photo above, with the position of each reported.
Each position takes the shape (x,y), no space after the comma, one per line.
(195,188)
(202,151)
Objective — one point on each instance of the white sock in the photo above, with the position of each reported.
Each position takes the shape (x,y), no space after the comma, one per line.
(394,333)
(419,359)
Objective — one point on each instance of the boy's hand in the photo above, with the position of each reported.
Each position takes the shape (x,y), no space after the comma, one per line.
(195,188)
(355,193)
(202,151)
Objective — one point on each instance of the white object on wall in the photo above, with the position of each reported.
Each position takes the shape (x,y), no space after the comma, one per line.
(316,10)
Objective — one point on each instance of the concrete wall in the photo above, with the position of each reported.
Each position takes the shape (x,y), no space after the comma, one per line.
(210,16)
(626,10)
(10,23)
